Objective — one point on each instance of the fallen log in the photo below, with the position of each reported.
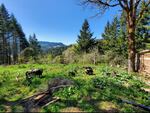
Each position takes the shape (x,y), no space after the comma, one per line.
(54,100)
(45,98)
(41,99)
(147,108)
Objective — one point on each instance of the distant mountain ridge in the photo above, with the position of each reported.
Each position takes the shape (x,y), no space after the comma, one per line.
(45,45)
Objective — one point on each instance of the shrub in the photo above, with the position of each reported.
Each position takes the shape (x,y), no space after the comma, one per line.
(58,59)
(25,55)
(115,59)
(91,57)
(70,55)
(44,59)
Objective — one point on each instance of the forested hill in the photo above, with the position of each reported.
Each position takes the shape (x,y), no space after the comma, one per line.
(47,45)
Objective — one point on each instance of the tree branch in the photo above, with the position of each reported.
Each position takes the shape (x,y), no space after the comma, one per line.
(100,2)
(122,5)
(147,108)
(137,3)
(142,12)
(126,4)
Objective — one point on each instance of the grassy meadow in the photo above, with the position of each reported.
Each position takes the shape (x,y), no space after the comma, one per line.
(101,92)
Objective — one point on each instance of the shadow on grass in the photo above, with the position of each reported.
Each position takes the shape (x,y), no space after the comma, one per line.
(107,97)
(104,97)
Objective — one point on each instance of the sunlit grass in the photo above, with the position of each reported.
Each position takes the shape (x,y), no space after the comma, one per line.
(89,93)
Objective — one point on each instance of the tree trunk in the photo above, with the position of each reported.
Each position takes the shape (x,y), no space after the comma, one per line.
(13,50)
(131,18)
(4,50)
(131,51)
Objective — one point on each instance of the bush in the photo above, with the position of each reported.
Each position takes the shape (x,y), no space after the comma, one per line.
(70,55)
(73,72)
(114,59)
(58,59)
(44,59)
(25,55)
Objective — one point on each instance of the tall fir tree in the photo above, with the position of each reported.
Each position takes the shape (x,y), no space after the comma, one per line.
(34,44)
(11,36)
(4,24)
(85,40)
(15,39)
(122,43)
(110,35)
(23,42)
(142,32)
(115,34)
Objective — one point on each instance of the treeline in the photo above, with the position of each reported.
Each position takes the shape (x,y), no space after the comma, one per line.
(112,47)
(14,46)
(12,37)
(32,52)
(114,39)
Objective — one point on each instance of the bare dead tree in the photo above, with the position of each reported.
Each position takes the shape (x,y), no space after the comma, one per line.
(132,17)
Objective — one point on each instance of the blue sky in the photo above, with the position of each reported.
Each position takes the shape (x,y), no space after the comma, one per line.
(56,20)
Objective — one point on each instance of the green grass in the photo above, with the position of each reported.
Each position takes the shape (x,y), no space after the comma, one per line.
(100,92)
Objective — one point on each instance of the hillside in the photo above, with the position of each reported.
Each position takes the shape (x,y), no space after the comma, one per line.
(45,45)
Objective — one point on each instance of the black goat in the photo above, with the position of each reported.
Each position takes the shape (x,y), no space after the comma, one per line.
(88,70)
(34,72)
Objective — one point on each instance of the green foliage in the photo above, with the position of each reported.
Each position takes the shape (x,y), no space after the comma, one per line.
(86,92)
(114,37)
(142,32)
(92,57)
(35,83)
(57,51)
(85,40)
(26,54)
(45,59)
(70,55)
(74,71)
(34,44)
(58,60)
(111,33)
(12,37)
(114,42)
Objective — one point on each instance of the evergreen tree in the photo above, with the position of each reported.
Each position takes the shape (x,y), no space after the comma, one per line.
(115,34)
(14,42)
(142,32)
(106,37)
(110,35)
(133,16)
(4,33)
(19,41)
(11,37)
(23,43)
(34,44)
(122,44)
(85,40)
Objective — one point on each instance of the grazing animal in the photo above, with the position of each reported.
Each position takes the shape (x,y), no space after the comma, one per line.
(89,70)
(35,72)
